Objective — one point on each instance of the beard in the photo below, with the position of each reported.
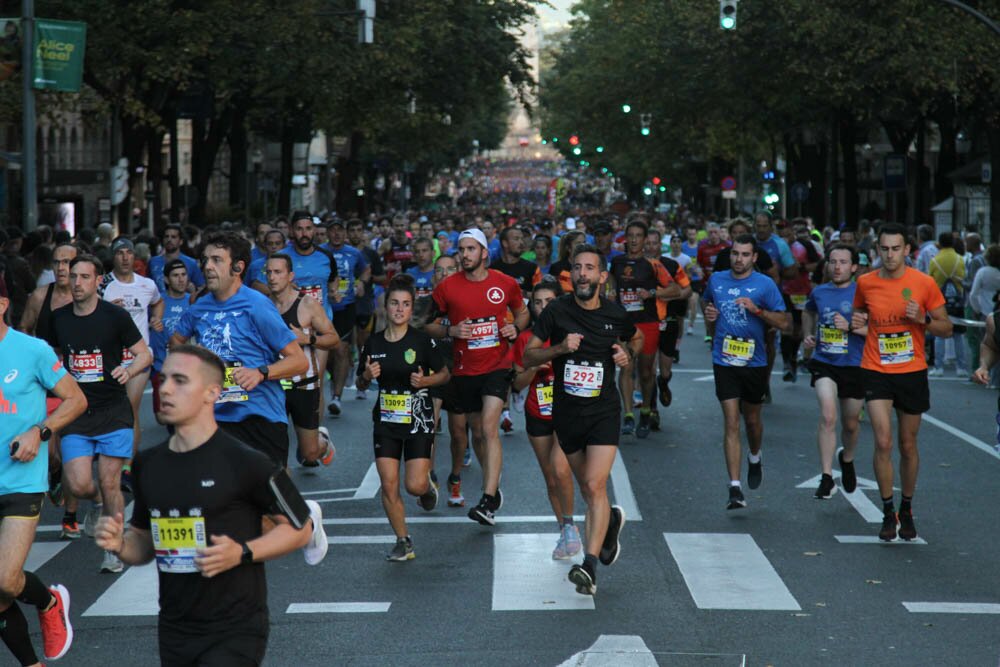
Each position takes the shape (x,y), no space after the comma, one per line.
(585,291)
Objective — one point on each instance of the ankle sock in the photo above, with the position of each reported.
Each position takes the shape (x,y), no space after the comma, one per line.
(888,507)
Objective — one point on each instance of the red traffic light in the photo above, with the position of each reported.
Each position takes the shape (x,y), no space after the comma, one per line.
(656,180)
(574,140)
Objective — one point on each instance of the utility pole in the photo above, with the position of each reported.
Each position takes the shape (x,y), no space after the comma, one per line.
(29,165)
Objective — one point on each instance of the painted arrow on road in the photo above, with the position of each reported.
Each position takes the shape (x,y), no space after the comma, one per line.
(858,500)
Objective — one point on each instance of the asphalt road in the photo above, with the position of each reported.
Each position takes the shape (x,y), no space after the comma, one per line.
(788,581)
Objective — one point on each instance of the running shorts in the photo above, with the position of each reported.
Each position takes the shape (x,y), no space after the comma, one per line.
(909,392)
(416,446)
(211,650)
(746,383)
(670,331)
(344,321)
(302,406)
(848,378)
(578,431)
(650,336)
(117,444)
(470,389)
(21,505)
(265,436)
(537,427)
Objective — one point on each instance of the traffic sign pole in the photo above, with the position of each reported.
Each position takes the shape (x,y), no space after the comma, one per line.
(28,162)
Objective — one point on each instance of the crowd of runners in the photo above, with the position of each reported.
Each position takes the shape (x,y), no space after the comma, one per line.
(444,322)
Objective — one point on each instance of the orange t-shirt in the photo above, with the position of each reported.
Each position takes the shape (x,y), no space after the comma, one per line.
(894,343)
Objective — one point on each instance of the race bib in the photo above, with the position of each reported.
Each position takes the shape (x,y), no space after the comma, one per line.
(799,300)
(231,391)
(342,286)
(630,300)
(832,340)
(737,351)
(583,380)
(895,348)
(177,541)
(87,367)
(127,357)
(543,392)
(485,333)
(315,291)
(396,408)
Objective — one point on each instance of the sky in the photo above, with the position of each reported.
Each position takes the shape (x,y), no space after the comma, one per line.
(555,17)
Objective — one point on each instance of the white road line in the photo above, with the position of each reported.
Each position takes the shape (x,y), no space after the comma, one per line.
(873,539)
(318,493)
(337,607)
(134,593)
(704,378)
(41,553)
(370,484)
(525,578)
(624,650)
(864,506)
(623,490)
(952,607)
(361,539)
(962,435)
(728,571)
(382,521)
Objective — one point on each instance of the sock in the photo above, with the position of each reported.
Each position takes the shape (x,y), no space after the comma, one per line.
(567,520)
(904,503)
(735,483)
(887,505)
(34,592)
(754,458)
(127,467)
(590,564)
(14,632)
(829,477)
(454,479)
(629,414)
(69,517)
(644,411)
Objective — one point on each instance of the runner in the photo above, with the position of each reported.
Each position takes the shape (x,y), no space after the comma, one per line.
(640,284)
(588,336)
(353,274)
(895,302)
(541,434)
(406,362)
(835,366)
(989,355)
(693,271)
(313,330)
(176,301)
(562,269)
(199,517)
(256,277)
(91,335)
(396,253)
(173,240)
(796,292)
(423,271)
(139,296)
(476,302)
(742,303)
(29,368)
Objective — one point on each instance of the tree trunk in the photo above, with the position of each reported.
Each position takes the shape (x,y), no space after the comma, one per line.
(848,140)
(919,212)
(348,202)
(285,178)
(238,165)
(947,153)
(154,175)
(205,148)
(134,140)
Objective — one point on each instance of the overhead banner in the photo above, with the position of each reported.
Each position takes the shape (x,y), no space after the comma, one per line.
(59,51)
(554,195)
(10,47)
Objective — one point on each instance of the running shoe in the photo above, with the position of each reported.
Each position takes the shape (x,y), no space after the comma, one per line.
(434,479)
(429,500)
(755,473)
(303,461)
(90,521)
(315,551)
(360,394)
(573,543)
(111,564)
(907,529)
(584,580)
(936,371)
(642,430)
(467,458)
(789,375)
(403,551)
(517,401)
(654,420)
(483,513)
(736,499)
(334,407)
(612,547)
(708,339)
(506,425)
(455,497)
(126,481)
(70,530)
(329,451)
(560,553)
(888,531)
(826,488)
(663,385)
(848,478)
(628,427)
(57,630)
(690,330)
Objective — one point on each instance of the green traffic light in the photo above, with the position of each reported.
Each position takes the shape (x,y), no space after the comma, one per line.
(545,141)
(647,191)
(600,149)
(727,22)
(626,108)
(577,151)
(645,131)
(663,188)
(555,140)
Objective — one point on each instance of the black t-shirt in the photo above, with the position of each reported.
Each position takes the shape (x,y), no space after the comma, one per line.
(91,347)
(366,304)
(220,488)
(585,379)
(723,262)
(522,271)
(401,411)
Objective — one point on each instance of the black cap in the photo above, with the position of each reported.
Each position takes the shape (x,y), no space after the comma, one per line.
(173,264)
(602,228)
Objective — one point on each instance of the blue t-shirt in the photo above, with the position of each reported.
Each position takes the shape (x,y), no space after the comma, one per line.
(257,253)
(833,346)
(350,263)
(739,336)
(692,252)
(244,330)
(778,250)
(173,309)
(423,281)
(28,367)
(256,272)
(494,248)
(313,273)
(157,263)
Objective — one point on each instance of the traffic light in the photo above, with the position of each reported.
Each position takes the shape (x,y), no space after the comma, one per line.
(577,150)
(768,175)
(656,180)
(663,188)
(727,14)
(645,120)
(599,149)
(626,108)
(648,191)
(574,140)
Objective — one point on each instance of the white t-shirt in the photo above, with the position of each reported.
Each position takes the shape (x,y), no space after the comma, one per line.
(136,297)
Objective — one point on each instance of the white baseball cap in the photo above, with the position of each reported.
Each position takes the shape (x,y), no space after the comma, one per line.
(570,223)
(476,234)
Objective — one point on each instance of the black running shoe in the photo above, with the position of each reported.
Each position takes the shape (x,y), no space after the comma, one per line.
(584,580)
(826,488)
(612,548)
(482,512)
(888,532)
(663,386)
(848,478)
(755,473)
(736,499)
(789,376)
(907,530)
(654,420)
(642,430)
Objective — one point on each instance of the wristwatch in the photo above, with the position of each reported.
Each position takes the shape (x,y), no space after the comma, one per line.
(263,370)
(44,432)
(247,556)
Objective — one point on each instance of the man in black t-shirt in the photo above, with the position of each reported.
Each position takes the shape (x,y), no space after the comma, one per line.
(588,337)
(199,517)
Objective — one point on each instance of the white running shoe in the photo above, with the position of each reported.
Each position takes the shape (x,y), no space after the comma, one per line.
(315,551)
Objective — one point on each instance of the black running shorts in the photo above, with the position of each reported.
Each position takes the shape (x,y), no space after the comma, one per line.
(578,431)
(909,392)
(344,321)
(211,650)
(303,406)
(746,383)
(848,378)
(21,505)
(536,427)
(470,389)
(416,446)
(265,436)
(669,334)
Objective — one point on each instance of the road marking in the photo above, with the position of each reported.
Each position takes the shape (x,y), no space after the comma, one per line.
(813,482)
(134,593)
(873,539)
(526,578)
(858,500)
(337,607)
(362,539)
(41,553)
(625,650)
(623,490)
(704,378)
(369,485)
(962,435)
(382,521)
(728,571)
(952,607)
(319,493)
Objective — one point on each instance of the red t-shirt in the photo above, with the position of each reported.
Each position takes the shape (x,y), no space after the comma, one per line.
(538,402)
(485,303)
(707,254)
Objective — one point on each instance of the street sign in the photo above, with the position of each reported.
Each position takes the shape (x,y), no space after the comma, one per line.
(728,183)
(729,194)
(894,172)
(987,172)
(799,192)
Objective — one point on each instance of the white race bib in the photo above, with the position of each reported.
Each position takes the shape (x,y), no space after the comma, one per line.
(582,379)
